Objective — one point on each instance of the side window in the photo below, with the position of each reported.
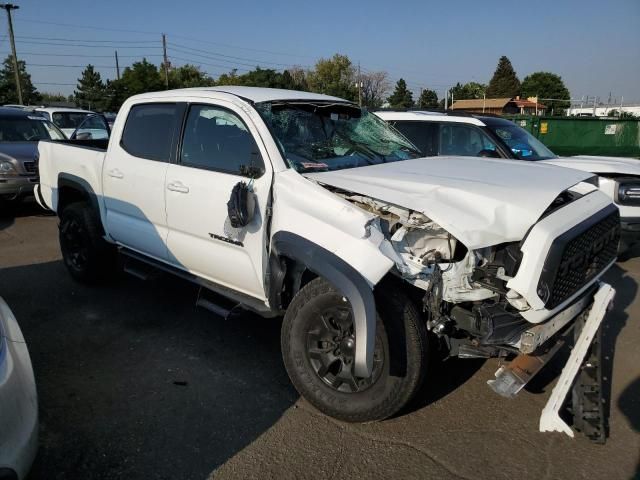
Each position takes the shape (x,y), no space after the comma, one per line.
(422,134)
(217,139)
(464,140)
(149,130)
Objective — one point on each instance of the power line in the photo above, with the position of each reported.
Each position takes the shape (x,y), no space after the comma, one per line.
(199,62)
(34,42)
(90,27)
(190,49)
(56,39)
(84,56)
(68,66)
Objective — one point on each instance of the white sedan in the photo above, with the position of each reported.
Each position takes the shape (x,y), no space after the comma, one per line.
(18,400)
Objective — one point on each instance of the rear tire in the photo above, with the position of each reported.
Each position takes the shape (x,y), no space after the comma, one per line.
(320,366)
(88,257)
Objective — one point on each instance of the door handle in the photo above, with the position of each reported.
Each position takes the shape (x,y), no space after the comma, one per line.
(177,187)
(115,173)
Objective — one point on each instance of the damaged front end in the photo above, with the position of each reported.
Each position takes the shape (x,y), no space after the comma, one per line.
(465,295)
(471,304)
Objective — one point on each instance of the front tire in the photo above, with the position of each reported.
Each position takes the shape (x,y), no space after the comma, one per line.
(88,257)
(318,346)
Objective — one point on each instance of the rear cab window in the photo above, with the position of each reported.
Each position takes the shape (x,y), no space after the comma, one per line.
(149,129)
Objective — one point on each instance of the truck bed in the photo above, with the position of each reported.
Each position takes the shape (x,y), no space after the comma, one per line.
(69,161)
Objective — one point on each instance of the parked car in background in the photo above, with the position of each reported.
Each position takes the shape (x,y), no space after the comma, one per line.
(305,205)
(66,119)
(93,127)
(20,132)
(18,400)
(436,133)
(110,117)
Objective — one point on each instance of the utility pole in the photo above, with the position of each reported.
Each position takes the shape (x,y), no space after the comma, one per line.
(166,62)
(8,7)
(446,99)
(359,86)
(117,66)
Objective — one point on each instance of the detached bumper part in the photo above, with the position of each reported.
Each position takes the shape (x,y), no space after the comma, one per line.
(550,420)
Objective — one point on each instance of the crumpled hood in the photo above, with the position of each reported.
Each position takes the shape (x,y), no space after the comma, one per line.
(588,163)
(481,202)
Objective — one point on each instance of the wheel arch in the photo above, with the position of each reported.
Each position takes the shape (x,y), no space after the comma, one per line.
(72,189)
(295,260)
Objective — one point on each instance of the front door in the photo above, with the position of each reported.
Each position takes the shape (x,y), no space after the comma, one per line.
(134,178)
(219,149)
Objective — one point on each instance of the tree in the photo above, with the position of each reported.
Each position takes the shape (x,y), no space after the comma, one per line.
(401,96)
(428,99)
(261,77)
(616,113)
(295,78)
(375,86)
(334,76)
(90,91)
(504,82)
(546,86)
(48,98)
(188,76)
(8,93)
(141,77)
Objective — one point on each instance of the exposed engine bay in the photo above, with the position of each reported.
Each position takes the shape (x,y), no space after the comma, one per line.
(465,291)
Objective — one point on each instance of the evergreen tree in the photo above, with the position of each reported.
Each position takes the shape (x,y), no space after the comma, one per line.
(90,91)
(428,99)
(401,96)
(8,92)
(504,82)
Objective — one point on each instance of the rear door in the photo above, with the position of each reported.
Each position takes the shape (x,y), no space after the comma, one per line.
(220,148)
(134,177)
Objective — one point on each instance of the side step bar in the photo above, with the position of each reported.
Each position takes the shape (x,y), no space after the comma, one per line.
(144,267)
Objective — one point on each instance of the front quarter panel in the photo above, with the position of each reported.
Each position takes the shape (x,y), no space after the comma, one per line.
(337,241)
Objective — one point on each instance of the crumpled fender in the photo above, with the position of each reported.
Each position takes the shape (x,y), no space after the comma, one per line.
(337,241)
(348,282)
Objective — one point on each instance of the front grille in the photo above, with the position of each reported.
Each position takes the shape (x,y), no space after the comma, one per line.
(578,256)
(30,167)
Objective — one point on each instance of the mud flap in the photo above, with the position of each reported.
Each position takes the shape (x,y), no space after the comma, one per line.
(550,420)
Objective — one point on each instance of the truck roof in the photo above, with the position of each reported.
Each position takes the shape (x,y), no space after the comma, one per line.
(253,94)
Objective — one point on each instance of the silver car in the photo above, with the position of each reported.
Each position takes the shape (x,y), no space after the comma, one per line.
(18,400)
(20,132)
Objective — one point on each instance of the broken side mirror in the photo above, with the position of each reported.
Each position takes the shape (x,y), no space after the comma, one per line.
(241,206)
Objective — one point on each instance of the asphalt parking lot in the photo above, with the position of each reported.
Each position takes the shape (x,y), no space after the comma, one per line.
(136,382)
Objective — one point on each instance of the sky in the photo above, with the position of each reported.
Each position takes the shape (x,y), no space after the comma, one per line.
(593,45)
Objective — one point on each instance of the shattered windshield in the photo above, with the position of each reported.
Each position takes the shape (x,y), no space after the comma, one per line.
(317,136)
(524,145)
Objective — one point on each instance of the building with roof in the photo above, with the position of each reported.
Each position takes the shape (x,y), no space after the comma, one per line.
(501,106)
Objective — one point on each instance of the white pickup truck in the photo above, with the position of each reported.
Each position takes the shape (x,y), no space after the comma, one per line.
(303,205)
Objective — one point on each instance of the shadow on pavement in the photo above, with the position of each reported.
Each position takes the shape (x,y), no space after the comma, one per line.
(135,382)
(9,211)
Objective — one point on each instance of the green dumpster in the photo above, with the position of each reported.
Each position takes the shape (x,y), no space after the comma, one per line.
(585,136)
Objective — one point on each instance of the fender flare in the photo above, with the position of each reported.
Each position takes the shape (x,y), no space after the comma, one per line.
(347,280)
(80,184)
